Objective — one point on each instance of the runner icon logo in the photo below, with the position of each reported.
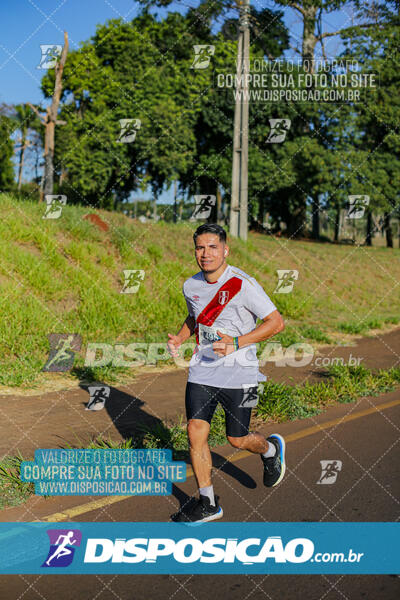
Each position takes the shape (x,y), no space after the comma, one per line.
(62,351)
(356,207)
(202,55)
(251,395)
(50,54)
(128,130)
(279,129)
(54,206)
(286,279)
(133,279)
(98,397)
(62,547)
(329,471)
(204,204)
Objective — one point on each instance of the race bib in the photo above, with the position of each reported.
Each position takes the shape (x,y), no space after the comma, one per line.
(208,335)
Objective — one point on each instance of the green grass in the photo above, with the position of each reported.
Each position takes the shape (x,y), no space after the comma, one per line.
(278,403)
(65,275)
(290,335)
(293,306)
(13,491)
(310,332)
(360,327)
(365,325)
(281,402)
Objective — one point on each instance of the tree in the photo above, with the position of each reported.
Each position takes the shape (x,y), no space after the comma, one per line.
(6,154)
(124,72)
(50,120)
(307,124)
(25,119)
(378,144)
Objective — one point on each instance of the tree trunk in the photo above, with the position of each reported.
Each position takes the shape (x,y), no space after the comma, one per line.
(388,230)
(337,223)
(315,219)
(51,121)
(296,224)
(398,230)
(218,204)
(37,159)
(49,158)
(174,216)
(309,38)
(21,162)
(260,216)
(63,175)
(369,233)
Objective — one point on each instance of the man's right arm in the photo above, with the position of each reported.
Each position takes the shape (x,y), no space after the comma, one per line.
(184,334)
(189,325)
(185,331)
(187,328)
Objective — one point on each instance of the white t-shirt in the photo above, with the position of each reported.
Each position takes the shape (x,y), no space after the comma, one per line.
(234,310)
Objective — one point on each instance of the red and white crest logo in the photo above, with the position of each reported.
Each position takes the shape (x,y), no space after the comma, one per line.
(223,297)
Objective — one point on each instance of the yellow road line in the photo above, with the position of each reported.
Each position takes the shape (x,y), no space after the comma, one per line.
(95,504)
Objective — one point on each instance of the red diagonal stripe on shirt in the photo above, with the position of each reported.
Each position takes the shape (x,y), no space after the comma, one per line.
(214,308)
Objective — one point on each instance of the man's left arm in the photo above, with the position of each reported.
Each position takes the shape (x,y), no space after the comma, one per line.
(259,303)
(271,325)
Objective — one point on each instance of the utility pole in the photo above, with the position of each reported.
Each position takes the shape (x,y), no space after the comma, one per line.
(238,221)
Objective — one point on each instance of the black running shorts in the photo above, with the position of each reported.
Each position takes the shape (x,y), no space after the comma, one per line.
(201,402)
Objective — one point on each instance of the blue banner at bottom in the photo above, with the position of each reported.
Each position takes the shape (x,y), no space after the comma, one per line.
(219,548)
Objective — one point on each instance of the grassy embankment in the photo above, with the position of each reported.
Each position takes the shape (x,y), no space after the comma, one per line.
(65,276)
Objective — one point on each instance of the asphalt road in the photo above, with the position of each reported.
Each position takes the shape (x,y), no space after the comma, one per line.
(363,436)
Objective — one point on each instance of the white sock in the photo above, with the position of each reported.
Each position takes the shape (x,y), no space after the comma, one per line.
(209,492)
(270,452)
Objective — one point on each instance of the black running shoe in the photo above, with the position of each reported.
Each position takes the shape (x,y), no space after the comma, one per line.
(199,511)
(274,466)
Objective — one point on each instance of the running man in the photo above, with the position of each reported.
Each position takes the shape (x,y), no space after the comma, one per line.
(63,352)
(99,396)
(62,550)
(223,305)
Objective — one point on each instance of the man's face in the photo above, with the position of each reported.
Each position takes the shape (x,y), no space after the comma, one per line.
(209,252)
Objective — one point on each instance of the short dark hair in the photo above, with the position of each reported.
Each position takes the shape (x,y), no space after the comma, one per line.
(210,228)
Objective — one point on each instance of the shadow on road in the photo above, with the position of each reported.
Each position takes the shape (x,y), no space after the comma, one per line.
(126,412)
(222,464)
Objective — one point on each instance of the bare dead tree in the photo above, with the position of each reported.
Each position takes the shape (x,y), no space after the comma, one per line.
(49,121)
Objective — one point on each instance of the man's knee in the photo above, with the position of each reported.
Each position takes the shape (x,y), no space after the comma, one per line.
(236,442)
(197,431)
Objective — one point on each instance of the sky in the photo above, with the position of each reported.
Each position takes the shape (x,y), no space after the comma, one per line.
(26,24)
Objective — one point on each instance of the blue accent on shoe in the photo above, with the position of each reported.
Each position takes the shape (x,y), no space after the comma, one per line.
(281,444)
(197,523)
(274,466)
